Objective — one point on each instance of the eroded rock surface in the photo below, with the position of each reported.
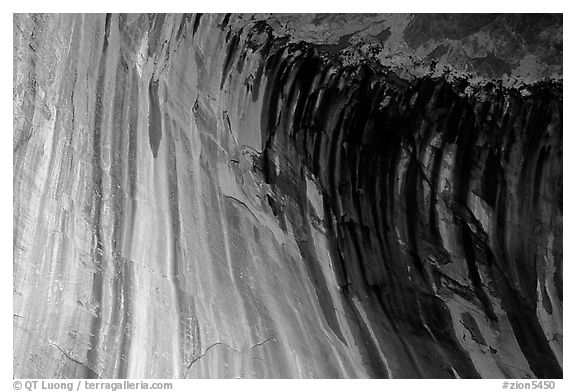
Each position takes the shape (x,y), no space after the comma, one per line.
(258,196)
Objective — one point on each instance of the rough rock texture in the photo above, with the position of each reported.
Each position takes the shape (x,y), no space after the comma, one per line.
(238,196)
(515,47)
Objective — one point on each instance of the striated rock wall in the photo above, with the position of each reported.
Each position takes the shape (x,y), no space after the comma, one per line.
(203,196)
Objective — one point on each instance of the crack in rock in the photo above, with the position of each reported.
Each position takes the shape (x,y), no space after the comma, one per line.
(227,345)
(92,373)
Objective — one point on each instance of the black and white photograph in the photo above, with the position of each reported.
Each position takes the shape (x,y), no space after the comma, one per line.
(286,196)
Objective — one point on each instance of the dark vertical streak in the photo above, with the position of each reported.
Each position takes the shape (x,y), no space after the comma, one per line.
(154,118)
(99,262)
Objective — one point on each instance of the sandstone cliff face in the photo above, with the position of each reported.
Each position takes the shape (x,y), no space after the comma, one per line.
(204,196)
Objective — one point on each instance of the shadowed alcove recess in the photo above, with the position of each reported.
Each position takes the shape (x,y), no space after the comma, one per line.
(434,194)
